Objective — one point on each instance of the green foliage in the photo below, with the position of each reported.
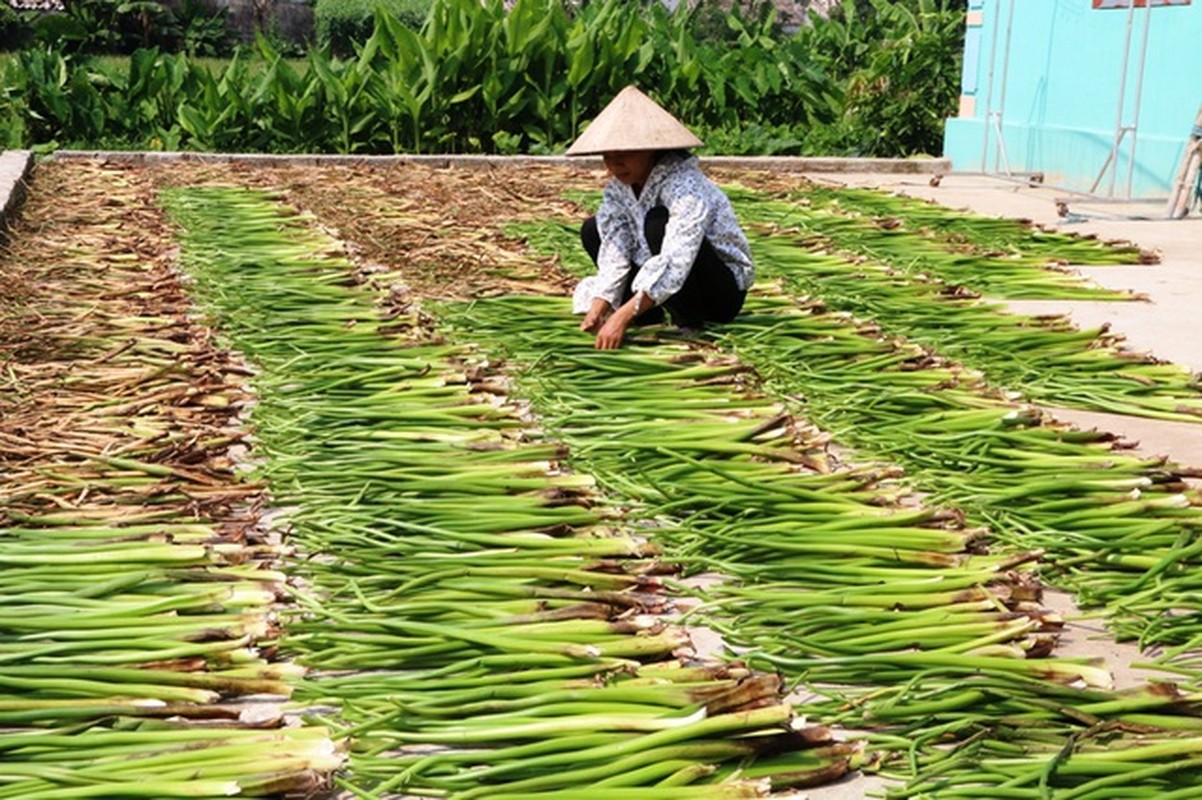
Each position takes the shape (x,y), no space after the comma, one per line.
(343,24)
(475,77)
(16,27)
(122,26)
(711,22)
(76,30)
(100,26)
(53,97)
(756,139)
(12,107)
(203,32)
(900,64)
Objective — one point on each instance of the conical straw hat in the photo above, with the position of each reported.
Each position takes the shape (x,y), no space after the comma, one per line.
(632,121)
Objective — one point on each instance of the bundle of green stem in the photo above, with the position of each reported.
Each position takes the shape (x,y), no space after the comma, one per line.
(1121,524)
(910,250)
(427,590)
(1090,766)
(997,735)
(720,468)
(86,606)
(955,388)
(136,583)
(1118,525)
(880,664)
(983,434)
(479,613)
(964,231)
(912,622)
(922,649)
(1047,359)
(161,760)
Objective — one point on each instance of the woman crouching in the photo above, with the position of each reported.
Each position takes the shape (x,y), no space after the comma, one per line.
(665,237)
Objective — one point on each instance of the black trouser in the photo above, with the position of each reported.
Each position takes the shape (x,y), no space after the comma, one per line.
(710,292)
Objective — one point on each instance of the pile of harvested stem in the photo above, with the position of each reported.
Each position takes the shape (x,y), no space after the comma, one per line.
(814,596)
(1045,358)
(137,579)
(497,527)
(970,233)
(489,603)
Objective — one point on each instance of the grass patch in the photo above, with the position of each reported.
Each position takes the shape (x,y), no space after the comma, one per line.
(214,66)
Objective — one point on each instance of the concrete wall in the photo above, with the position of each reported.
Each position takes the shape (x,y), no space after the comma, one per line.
(15,166)
(1049,84)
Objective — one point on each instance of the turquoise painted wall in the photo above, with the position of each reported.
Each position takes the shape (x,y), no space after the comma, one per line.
(1056,98)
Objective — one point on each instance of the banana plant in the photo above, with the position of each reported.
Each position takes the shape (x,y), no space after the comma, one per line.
(532,38)
(291,108)
(405,81)
(220,116)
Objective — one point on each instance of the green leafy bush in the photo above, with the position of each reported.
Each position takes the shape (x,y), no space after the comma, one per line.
(755,139)
(342,24)
(121,27)
(16,27)
(103,26)
(12,106)
(899,65)
(478,77)
(203,32)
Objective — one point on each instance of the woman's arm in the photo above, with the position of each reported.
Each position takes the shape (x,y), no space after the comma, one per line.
(612,332)
(595,315)
(690,209)
(618,244)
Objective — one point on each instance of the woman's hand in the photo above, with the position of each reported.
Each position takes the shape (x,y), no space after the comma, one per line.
(596,315)
(612,332)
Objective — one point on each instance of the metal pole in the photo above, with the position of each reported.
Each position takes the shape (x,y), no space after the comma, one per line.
(1001,114)
(987,116)
(1139,93)
(1119,130)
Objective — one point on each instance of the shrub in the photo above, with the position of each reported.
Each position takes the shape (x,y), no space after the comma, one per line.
(119,27)
(342,24)
(478,76)
(106,26)
(203,32)
(16,28)
(899,65)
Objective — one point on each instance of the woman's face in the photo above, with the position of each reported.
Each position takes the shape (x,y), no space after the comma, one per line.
(631,167)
